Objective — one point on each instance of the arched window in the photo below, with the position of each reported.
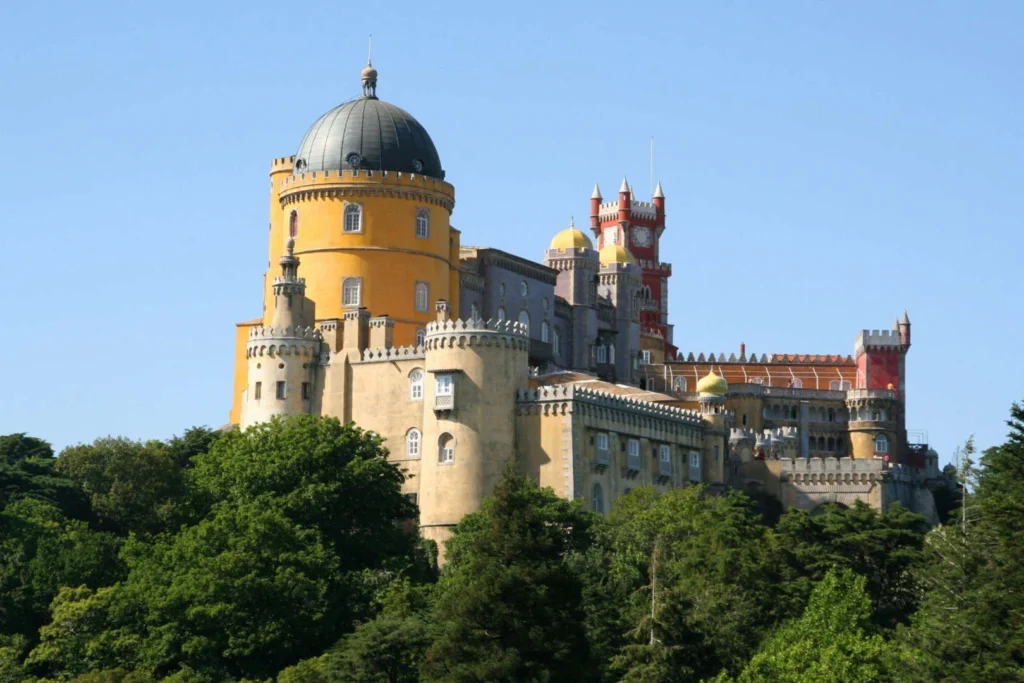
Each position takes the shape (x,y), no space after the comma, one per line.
(744,419)
(501,314)
(353,218)
(412,443)
(351,294)
(422,223)
(421,334)
(597,499)
(293,224)
(757,380)
(416,385)
(524,320)
(611,353)
(796,383)
(679,384)
(422,296)
(881,444)
(446,449)
(545,331)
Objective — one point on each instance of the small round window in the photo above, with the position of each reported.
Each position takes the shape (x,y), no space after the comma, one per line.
(354,160)
(523,289)
(417,165)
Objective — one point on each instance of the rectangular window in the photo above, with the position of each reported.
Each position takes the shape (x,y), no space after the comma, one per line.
(645,357)
(445,385)
(413,498)
(556,342)
(665,460)
(422,223)
(633,455)
(257,391)
(351,291)
(602,354)
(444,392)
(280,390)
(601,448)
(422,298)
(694,465)
(305,391)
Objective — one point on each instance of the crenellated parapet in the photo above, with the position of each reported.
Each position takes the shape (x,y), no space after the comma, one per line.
(765,359)
(283,341)
(361,183)
(842,470)
(462,333)
(268,332)
(612,402)
(392,354)
(878,339)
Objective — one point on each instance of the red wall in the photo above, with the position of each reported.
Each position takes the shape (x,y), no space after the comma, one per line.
(883,369)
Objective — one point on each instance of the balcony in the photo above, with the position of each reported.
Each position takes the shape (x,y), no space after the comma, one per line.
(863,394)
(444,402)
(601,457)
(541,352)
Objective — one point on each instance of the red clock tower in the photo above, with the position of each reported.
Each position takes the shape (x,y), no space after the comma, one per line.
(638,226)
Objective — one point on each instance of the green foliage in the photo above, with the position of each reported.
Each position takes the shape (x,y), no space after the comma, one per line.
(831,643)
(27,471)
(883,548)
(510,608)
(17,447)
(133,487)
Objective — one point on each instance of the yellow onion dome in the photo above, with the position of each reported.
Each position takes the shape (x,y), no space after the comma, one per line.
(571,238)
(614,253)
(712,385)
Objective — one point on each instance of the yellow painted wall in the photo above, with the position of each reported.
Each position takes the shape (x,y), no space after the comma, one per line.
(241,369)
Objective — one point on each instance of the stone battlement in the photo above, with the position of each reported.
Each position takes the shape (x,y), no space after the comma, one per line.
(774,359)
(825,470)
(392,354)
(570,392)
(268,332)
(887,339)
(450,333)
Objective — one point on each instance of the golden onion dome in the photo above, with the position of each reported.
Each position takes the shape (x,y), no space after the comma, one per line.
(614,253)
(571,238)
(712,385)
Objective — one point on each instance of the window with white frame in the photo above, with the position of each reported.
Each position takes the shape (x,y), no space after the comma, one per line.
(665,460)
(611,353)
(645,357)
(524,320)
(501,314)
(353,217)
(422,297)
(444,385)
(446,449)
(601,441)
(694,465)
(416,385)
(633,454)
(881,444)
(679,384)
(602,354)
(597,499)
(422,222)
(351,291)
(545,331)
(421,334)
(412,443)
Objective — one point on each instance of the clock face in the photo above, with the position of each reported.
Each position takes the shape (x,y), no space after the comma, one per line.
(610,234)
(354,160)
(642,236)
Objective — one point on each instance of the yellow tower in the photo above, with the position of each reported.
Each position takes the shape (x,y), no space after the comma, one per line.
(365,202)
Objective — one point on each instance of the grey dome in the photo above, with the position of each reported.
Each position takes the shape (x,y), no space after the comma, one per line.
(376,135)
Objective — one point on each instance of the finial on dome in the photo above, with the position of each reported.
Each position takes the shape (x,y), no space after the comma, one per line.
(369,74)
(572,222)
(290,246)
(625,185)
(596,194)
(658,194)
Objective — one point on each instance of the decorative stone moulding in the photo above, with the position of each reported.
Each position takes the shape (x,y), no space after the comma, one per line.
(460,333)
(393,353)
(568,392)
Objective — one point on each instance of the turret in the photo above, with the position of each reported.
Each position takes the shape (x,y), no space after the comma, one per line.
(625,210)
(595,209)
(474,370)
(904,330)
(283,357)
(659,205)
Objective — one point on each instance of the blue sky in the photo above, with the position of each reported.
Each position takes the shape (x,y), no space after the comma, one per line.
(826,165)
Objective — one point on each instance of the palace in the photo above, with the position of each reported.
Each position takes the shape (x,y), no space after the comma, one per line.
(466,358)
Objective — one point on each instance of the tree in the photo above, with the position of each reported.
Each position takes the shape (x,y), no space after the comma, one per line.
(17,447)
(883,548)
(971,622)
(831,643)
(714,572)
(510,607)
(132,486)
(27,470)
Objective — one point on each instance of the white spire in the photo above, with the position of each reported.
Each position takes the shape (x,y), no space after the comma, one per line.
(658,194)
(572,222)
(596,194)
(625,185)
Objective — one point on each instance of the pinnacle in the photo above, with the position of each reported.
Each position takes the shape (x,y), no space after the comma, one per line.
(596,194)
(658,193)
(625,185)
(905,320)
